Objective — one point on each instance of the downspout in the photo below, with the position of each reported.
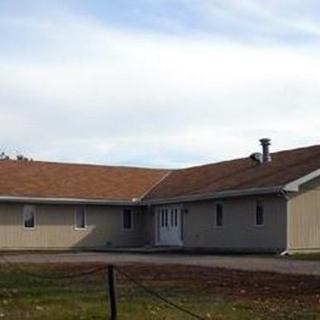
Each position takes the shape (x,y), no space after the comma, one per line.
(285,196)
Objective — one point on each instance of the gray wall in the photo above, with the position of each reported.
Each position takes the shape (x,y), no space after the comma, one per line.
(239,231)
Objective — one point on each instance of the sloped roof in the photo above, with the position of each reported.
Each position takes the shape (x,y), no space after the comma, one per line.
(239,174)
(95,182)
(77,181)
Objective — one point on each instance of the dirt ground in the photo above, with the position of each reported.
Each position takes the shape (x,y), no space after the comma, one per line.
(263,287)
(239,262)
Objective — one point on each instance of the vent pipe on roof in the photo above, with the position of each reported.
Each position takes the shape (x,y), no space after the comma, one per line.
(265,142)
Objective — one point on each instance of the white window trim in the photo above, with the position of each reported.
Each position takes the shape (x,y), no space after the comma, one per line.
(132,220)
(23,217)
(255,215)
(85,220)
(215,215)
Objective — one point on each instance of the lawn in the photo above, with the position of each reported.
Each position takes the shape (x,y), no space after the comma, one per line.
(304,256)
(33,292)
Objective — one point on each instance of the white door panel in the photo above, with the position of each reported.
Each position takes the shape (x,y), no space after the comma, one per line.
(169,225)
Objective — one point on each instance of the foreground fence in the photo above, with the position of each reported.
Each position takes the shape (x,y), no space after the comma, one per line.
(86,291)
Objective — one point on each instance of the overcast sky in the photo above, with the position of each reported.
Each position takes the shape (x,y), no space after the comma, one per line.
(157,83)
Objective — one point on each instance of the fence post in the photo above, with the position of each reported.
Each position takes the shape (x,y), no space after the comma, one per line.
(112,293)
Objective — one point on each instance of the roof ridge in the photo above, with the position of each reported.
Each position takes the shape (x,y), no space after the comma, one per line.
(275,171)
(82,164)
(146,168)
(292,165)
(235,173)
(244,158)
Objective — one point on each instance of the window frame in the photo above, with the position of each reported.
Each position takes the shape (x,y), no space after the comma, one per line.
(84,208)
(219,226)
(259,204)
(131,219)
(25,207)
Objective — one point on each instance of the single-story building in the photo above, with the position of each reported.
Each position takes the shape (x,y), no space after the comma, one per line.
(265,202)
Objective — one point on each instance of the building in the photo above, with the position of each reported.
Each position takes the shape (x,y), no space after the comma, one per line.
(262,203)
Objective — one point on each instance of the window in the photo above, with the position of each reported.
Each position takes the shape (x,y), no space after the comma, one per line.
(29,217)
(166,217)
(219,215)
(175,217)
(127,219)
(81,218)
(162,218)
(259,214)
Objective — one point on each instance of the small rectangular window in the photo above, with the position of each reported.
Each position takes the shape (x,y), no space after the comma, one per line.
(162,218)
(172,217)
(29,217)
(219,215)
(127,219)
(81,218)
(259,214)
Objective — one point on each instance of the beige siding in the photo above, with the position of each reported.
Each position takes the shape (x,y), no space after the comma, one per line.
(55,228)
(304,219)
(239,231)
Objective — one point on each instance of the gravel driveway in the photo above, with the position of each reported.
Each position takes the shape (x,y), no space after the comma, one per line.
(248,263)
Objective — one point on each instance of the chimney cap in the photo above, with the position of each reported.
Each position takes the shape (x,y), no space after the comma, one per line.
(265,141)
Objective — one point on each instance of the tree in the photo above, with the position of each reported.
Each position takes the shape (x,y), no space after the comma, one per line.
(4,156)
(21,157)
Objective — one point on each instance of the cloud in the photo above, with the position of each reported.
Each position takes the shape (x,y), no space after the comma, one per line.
(95,93)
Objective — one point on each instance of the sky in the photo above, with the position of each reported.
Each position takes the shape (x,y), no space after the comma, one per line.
(157,83)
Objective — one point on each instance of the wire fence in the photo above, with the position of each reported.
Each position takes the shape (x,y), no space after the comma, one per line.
(156,292)
(158,296)
(110,296)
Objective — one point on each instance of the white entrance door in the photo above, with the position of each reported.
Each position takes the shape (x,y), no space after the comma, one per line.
(169,222)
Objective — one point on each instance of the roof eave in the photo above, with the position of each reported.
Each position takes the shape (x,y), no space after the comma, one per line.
(54,200)
(215,195)
(294,186)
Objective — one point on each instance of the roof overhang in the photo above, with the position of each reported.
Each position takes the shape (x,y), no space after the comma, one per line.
(294,186)
(215,195)
(48,200)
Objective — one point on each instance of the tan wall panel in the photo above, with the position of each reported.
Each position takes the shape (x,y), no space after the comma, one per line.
(55,228)
(304,219)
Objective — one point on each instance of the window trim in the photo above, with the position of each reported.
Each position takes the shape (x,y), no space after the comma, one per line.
(85,218)
(132,219)
(34,218)
(216,215)
(256,214)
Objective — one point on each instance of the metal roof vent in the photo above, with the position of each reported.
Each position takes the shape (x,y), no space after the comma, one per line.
(265,142)
(257,157)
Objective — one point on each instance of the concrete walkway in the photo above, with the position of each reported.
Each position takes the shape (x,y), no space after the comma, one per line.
(247,263)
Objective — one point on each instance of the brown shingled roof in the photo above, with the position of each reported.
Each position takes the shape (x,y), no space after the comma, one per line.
(240,174)
(78,181)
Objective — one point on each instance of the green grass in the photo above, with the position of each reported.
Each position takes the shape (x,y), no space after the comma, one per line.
(304,256)
(25,297)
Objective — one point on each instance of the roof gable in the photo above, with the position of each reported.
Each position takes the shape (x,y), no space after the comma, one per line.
(239,174)
(77,181)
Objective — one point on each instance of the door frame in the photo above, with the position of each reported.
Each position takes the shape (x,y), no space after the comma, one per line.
(157,224)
